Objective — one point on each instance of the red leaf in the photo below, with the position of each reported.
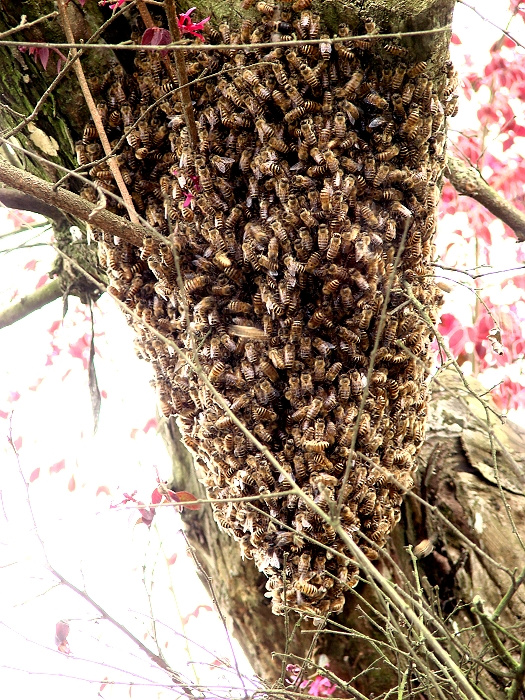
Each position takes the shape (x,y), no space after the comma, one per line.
(57,467)
(71,484)
(61,631)
(183,496)
(30,265)
(103,489)
(4,414)
(156,36)
(17,443)
(152,423)
(156,497)
(147,515)
(196,612)
(172,559)
(104,394)
(43,55)
(455,39)
(34,475)
(41,281)
(54,327)
(508,43)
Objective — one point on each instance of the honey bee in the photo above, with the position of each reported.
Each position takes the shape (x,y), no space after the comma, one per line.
(375,100)
(396,50)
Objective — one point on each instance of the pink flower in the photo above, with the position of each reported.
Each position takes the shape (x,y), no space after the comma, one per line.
(186,26)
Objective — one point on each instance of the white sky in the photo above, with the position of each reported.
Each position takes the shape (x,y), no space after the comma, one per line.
(95,546)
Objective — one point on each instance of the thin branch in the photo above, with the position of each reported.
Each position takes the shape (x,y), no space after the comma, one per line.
(25,25)
(182,74)
(224,47)
(112,162)
(72,204)
(486,19)
(467,181)
(32,302)
(175,677)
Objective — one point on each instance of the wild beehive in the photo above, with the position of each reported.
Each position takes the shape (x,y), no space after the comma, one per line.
(297,220)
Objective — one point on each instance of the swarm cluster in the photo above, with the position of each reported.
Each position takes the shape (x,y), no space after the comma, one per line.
(314,165)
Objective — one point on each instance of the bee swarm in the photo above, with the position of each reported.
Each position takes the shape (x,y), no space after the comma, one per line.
(313,164)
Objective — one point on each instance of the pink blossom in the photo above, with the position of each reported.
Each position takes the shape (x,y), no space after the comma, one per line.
(186,26)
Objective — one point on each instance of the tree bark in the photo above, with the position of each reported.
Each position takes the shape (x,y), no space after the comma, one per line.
(470,529)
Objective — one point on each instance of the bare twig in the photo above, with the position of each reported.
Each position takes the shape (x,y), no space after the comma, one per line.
(186,46)
(468,181)
(182,74)
(486,19)
(112,162)
(25,25)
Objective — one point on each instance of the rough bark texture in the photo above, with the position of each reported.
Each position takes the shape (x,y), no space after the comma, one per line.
(455,476)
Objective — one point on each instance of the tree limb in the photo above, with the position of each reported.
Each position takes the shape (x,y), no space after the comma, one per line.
(32,302)
(72,204)
(467,181)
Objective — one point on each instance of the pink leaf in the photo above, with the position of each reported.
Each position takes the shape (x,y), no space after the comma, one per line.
(34,475)
(156,497)
(103,489)
(54,327)
(182,496)
(152,423)
(71,486)
(30,265)
(17,443)
(43,55)
(172,559)
(455,39)
(57,467)
(196,612)
(41,281)
(4,414)
(61,632)
(13,396)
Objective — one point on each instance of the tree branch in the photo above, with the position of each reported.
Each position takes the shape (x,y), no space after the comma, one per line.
(14,199)
(72,204)
(467,181)
(32,302)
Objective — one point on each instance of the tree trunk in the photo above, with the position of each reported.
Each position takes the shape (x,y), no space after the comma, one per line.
(467,536)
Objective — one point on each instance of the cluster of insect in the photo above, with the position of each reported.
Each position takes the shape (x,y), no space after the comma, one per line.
(298,218)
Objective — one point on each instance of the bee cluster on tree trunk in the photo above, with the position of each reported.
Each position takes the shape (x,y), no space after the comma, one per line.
(307,204)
